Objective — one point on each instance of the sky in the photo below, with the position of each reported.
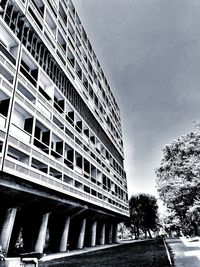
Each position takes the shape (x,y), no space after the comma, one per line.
(149,51)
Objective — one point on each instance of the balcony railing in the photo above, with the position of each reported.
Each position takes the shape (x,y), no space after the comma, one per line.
(22,134)
(2,121)
(28,75)
(51,182)
(7,54)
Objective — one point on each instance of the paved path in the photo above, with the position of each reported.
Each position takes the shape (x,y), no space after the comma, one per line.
(186,251)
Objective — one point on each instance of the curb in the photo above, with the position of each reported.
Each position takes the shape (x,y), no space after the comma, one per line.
(168,254)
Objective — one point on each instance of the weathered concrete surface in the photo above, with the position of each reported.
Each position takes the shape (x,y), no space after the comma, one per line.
(186,251)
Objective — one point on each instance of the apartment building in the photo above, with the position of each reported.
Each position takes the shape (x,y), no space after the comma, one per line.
(62,180)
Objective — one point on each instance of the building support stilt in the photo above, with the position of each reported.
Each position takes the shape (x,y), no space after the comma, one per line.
(102,237)
(115,226)
(40,241)
(81,237)
(64,237)
(110,234)
(93,233)
(7,227)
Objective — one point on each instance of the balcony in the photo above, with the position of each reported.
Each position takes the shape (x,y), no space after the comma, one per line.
(56,147)
(63,14)
(8,44)
(18,155)
(55,173)
(7,54)
(7,74)
(4,104)
(29,69)
(51,24)
(39,165)
(59,102)
(70,117)
(33,11)
(62,43)
(2,121)
(45,86)
(54,183)
(71,58)
(20,133)
(41,137)
(22,123)
(26,93)
(39,6)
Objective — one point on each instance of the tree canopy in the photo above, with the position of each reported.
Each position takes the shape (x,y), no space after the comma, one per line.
(143,213)
(178,177)
(170,223)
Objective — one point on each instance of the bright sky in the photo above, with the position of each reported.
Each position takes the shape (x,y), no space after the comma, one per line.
(150,53)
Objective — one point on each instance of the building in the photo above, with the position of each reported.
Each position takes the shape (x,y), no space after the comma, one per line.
(62,181)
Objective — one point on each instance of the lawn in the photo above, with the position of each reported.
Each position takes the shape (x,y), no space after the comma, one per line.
(139,254)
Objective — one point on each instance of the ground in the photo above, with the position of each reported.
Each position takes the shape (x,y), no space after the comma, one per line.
(186,251)
(139,254)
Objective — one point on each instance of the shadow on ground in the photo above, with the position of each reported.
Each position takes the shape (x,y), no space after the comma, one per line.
(140,254)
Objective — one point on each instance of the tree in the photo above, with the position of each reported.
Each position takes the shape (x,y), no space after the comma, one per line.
(143,214)
(170,223)
(178,177)
(124,231)
(194,215)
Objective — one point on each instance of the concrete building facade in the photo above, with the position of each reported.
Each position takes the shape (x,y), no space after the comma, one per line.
(62,180)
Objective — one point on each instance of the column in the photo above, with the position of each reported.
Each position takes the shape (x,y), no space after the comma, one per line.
(81,237)
(102,237)
(40,240)
(93,233)
(110,234)
(64,237)
(7,227)
(115,228)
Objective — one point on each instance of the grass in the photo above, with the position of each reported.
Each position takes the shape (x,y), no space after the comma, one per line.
(140,254)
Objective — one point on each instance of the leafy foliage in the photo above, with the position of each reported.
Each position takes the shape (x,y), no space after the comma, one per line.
(170,223)
(178,177)
(143,213)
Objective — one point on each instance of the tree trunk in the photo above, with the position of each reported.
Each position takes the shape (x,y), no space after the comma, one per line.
(138,232)
(149,233)
(135,234)
(145,234)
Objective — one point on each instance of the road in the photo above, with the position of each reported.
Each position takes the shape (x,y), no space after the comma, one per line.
(186,251)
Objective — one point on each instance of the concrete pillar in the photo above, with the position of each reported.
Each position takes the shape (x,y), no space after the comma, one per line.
(15,234)
(93,233)
(81,237)
(64,237)
(102,236)
(115,227)
(110,234)
(40,240)
(7,227)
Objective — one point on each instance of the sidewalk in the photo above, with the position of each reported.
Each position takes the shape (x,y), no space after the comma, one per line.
(186,251)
